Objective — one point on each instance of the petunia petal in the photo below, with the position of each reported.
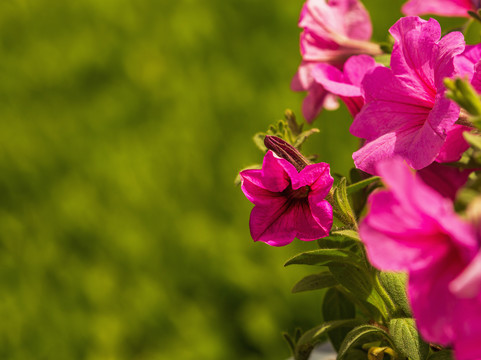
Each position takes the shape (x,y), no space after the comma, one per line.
(267,223)
(438,7)
(274,177)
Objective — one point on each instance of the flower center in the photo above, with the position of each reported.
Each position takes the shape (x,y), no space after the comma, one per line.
(297,194)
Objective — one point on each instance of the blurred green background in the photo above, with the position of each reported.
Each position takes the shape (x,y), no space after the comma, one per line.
(122,126)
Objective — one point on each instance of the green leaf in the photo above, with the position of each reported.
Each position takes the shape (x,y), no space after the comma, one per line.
(473,139)
(315,282)
(356,354)
(354,280)
(258,139)
(302,137)
(290,342)
(324,256)
(336,306)
(340,205)
(360,335)
(295,128)
(359,283)
(340,239)
(441,355)
(407,340)
(461,91)
(395,286)
(349,234)
(361,184)
(318,334)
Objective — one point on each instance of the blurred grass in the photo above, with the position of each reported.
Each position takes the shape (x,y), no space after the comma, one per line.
(122,126)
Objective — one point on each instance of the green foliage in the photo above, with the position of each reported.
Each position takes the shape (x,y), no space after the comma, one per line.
(395,286)
(361,335)
(461,91)
(288,130)
(361,184)
(407,340)
(473,139)
(341,207)
(324,257)
(315,282)
(312,337)
(337,306)
(122,125)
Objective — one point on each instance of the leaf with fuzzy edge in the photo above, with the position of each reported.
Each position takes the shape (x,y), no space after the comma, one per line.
(407,339)
(340,204)
(395,285)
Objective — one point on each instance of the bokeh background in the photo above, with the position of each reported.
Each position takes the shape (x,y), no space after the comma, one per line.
(122,127)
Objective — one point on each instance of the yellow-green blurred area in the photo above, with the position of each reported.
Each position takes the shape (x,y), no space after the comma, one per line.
(122,127)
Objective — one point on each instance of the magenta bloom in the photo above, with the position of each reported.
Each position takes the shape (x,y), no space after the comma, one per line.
(468,64)
(440,7)
(410,227)
(406,111)
(446,180)
(345,84)
(333,30)
(288,203)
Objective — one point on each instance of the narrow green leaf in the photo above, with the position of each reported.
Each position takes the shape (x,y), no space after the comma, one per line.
(315,282)
(336,306)
(361,184)
(318,334)
(303,136)
(441,355)
(395,286)
(407,340)
(360,335)
(295,128)
(340,204)
(324,256)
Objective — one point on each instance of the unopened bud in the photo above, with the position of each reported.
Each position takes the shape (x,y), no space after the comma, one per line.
(286,151)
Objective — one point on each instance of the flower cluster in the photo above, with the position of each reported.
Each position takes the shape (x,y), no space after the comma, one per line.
(415,201)
(411,227)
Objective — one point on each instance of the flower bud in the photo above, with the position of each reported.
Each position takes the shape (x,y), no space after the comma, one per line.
(286,151)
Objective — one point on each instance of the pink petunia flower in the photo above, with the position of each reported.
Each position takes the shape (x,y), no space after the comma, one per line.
(441,7)
(406,111)
(446,180)
(333,30)
(468,65)
(346,84)
(288,203)
(410,227)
